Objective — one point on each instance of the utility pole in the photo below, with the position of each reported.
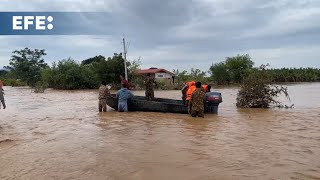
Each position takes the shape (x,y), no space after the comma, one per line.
(125,58)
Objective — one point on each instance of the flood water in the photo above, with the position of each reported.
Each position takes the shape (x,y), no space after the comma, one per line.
(61,135)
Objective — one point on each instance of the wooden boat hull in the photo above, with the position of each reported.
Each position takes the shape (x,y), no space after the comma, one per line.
(139,103)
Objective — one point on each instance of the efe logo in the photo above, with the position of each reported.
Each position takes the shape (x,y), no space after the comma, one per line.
(23,22)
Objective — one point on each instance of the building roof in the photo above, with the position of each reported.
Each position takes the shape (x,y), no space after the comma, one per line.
(153,71)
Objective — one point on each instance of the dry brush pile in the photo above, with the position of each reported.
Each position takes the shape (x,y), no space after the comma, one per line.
(257,90)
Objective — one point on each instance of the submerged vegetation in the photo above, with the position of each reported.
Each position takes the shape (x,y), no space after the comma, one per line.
(257,91)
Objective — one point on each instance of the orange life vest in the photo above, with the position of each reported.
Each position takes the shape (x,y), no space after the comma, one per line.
(191,83)
(191,89)
(205,88)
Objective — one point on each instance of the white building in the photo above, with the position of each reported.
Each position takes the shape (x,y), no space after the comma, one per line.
(159,74)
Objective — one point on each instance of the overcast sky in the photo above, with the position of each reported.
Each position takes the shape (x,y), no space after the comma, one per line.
(183,34)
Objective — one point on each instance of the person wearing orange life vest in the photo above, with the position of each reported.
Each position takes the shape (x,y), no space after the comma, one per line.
(191,89)
(206,88)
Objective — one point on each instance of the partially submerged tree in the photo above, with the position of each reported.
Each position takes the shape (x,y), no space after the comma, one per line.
(257,91)
(27,65)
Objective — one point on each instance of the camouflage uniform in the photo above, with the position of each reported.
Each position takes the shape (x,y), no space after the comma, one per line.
(103,93)
(184,93)
(2,99)
(196,103)
(149,81)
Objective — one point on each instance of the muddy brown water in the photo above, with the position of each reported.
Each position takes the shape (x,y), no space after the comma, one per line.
(60,135)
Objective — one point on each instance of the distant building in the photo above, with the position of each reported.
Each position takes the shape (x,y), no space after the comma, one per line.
(158,74)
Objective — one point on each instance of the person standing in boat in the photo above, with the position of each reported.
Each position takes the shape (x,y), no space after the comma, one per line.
(149,83)
(191,89)
(123,95)
(196,103)
(206,88)
(124,81)
(1,96)
(103,94)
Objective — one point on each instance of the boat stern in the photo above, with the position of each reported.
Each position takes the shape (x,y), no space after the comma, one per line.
(212,101)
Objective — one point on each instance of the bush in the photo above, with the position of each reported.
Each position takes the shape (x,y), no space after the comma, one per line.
(40,87)
(257,90)
(14,83)
(70,75)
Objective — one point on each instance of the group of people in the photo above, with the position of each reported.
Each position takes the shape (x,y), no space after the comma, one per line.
(2,96)
(124,93)
(193,94)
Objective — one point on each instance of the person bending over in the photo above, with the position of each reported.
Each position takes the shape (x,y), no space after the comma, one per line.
(123,95)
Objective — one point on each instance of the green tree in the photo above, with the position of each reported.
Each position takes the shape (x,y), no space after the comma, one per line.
(198,75)
(233,69)
(69,74)
(3,73)
(220,74)
(134,65)
(111,69)
(27,64)
(238,67)
(97,59)
(183,76)
(135,79)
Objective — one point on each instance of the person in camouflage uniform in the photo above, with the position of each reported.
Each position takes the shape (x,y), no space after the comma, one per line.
(103,93)
(196,103)
(149,83)
(1,96)
(184,93)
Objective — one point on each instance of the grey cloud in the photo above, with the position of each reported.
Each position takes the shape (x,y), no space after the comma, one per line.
(56,5)
(181,33)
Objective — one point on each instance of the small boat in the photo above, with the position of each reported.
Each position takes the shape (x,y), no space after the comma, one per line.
(139,103)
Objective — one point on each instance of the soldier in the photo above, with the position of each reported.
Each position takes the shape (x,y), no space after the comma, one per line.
(103,93)
(1,96)
(149,82)
(184,93)
(196,103)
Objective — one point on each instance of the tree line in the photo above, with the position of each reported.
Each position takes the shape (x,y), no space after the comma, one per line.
(28,67)
(234,70)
